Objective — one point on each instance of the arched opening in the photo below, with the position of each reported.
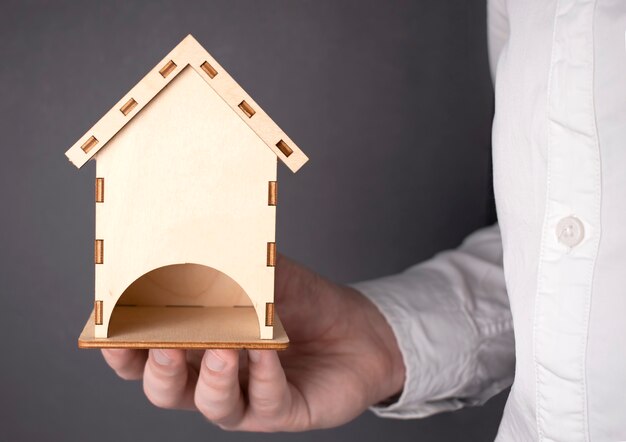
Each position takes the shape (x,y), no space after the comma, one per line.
(185,285)
(181,304)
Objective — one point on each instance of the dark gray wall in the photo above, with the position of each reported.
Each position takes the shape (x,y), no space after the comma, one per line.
(391,100)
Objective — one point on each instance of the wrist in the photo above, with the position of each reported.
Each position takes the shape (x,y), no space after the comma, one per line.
(390,370)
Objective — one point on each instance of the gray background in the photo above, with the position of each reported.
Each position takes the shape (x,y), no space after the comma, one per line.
(391,100)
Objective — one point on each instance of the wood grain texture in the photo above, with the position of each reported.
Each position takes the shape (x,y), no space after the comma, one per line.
(188,53)
(183,327)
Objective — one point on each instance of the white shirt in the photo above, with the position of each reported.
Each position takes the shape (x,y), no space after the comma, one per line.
(559,155)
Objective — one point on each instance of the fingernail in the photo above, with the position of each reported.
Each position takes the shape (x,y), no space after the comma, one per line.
(161,357)
(213,361)
(254,355)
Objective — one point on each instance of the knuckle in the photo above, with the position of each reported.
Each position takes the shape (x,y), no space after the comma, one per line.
(219,388)
(160,401)
(267,407)
(215,415)
(162,392)
(218,398)
(221,413)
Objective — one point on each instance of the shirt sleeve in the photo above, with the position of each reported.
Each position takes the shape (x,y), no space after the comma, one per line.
(452,322)
(498,30)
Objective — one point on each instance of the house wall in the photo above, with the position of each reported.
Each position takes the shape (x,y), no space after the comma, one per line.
(186,181)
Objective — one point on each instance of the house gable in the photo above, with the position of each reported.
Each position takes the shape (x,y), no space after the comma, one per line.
(189,53)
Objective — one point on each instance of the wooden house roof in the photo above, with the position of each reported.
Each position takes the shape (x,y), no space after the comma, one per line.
(188,53)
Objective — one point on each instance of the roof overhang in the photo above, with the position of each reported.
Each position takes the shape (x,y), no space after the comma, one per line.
(188,53)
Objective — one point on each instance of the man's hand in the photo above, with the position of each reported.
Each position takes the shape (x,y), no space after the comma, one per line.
(342,358)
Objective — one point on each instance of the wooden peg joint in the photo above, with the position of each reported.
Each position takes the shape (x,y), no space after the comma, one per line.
(272,197)
(167,69)
(99,251)
(284,148)
(246,109)
(98,312)
(128,107)
(99,190)
(271,254)
(269,314)
(89,144)
(210,70)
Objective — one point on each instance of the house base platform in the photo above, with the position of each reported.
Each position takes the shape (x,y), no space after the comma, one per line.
(184,327)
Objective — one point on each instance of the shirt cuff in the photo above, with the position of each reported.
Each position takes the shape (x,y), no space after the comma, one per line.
(440,347)
(401,406)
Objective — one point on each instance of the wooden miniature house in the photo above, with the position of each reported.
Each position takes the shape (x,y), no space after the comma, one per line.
(185,200)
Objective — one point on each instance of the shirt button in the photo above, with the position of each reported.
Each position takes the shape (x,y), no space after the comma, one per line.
(570,231)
